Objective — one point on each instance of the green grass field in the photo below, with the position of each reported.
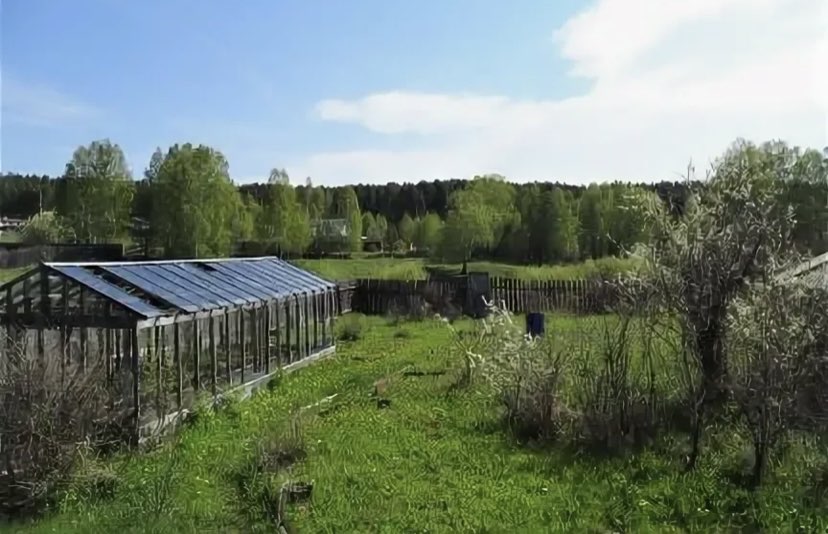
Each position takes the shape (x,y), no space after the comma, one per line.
(432,461)
(414,268)
(9,236)
(9,274)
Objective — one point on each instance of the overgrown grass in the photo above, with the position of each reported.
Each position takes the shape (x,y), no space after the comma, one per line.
(415,268)
(429,459)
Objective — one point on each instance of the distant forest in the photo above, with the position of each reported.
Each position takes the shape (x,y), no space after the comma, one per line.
(194,209)
(24,195)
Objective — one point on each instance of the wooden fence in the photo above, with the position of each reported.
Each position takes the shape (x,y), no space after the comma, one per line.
(570,296)
(455,295)
(379,297)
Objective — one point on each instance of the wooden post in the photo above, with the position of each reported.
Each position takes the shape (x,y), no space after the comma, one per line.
(298,329)
(64,333)
(279,333)
(306,302)
(108,351)
(125,353)
(315,302)
(288,326)
(159,388)
(254,339)
(83,355)
(196,356)
(243,347)
(213,356)
(41,352)
(228,351)
(118,348)
(136,382)
(324,325)
(267,338)
(179,394)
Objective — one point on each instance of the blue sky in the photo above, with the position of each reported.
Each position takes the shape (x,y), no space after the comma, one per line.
(371,91)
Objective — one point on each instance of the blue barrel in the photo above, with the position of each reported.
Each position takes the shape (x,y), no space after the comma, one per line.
(535,323)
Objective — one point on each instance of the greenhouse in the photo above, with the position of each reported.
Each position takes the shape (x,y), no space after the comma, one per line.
(160,334)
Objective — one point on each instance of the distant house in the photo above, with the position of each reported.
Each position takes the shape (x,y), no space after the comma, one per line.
(331,235)
(331,229)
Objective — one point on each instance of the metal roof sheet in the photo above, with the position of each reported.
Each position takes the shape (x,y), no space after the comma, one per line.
(110,291)
(191,286)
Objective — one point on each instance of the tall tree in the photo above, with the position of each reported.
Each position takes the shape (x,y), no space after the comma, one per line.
(561,226)
(194,203)
(278,176)
(369,225)
(593,241)
(155,162)
(468,227)
(427,236)
(407,228)
(382,228)
(284,219)
(98,193)
(346,206)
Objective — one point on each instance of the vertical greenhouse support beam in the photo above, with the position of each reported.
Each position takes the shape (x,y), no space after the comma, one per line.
(288,326)
(83,329)
(228,351)
(118,348)
(45,313)
(254,339)
(267,338)
(298,329)
(108,352)
(179,393)
(41,352)
(306,305)
(196,355)
(242,340)
(136,379)
(279,333)
(315,320)
(159,386)
(213,357)
(64,334)
(125,341)
(324,325)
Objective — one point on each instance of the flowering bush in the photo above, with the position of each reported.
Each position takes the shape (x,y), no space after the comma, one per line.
(525,372)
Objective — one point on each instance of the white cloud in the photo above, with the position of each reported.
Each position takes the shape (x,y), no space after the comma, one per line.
(671,80)
(40,105)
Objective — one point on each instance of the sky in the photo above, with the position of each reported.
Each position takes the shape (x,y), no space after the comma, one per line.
(371,91)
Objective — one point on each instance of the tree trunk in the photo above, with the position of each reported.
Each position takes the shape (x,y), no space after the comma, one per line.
(713,362)
(760,456)
(695,440)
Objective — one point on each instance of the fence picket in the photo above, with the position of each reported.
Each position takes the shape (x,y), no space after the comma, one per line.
(377,297)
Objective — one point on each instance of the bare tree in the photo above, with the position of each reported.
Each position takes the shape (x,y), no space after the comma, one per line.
(773,338)
(735,231)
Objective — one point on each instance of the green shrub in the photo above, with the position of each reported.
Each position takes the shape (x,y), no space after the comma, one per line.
(350,328)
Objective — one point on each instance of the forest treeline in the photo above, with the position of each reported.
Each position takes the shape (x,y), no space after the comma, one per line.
(195,209)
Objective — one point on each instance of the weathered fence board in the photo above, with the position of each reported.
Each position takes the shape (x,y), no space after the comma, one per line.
(379,297)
